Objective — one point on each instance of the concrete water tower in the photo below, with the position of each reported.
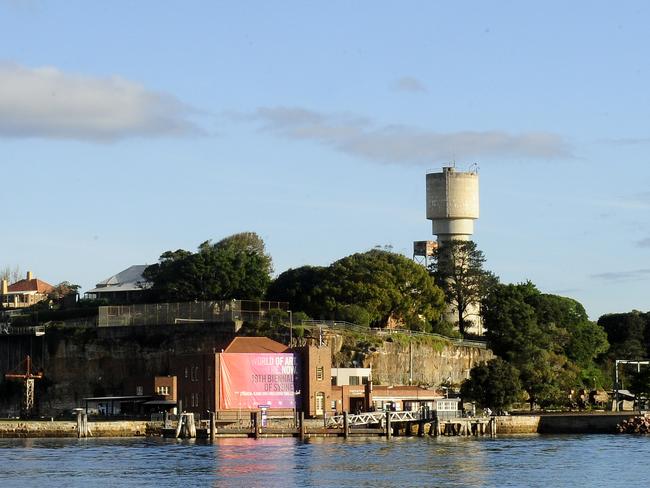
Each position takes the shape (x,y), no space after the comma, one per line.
(452,207)
(452,203)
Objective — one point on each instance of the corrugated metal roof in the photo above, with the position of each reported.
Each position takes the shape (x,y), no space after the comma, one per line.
(130,279)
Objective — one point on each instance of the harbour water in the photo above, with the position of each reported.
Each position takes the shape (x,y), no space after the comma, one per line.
(518,461)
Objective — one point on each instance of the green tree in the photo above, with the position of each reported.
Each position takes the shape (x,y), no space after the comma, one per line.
(547,337)
(494,384)
(375,287)
(62,290)
(236,267)
(457,268)
(628,334)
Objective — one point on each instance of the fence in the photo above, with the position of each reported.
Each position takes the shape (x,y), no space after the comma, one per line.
(186,313)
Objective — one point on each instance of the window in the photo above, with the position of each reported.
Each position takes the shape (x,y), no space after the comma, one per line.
(209,373)
(139,390)
(320,373)
(320,403)
(334,381)
(194,373)
(186,372)
(333,405)
(354,380)
(162,390)
(364,380)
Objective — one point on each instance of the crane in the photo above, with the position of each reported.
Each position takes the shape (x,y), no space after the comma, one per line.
(28,379)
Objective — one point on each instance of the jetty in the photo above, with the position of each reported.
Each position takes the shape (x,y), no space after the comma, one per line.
(382,424)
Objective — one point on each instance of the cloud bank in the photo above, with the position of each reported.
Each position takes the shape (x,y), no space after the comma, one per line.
(400,144)
(48,103)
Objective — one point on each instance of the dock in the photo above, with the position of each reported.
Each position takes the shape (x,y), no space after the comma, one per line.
(381,424)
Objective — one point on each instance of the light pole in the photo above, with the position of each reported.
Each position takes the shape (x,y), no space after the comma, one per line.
(290,327)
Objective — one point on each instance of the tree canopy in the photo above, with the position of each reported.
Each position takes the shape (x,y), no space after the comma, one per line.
(236,267)
(374,287)
(457,268)
(548,338)
(494,384)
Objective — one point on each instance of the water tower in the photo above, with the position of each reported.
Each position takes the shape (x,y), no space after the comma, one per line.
(452,207)
(452,203)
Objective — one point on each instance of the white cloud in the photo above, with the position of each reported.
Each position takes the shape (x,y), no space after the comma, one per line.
(48,103)
(401,144)
(409,84)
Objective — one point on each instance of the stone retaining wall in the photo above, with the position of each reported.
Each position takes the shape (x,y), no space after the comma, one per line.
(38,428)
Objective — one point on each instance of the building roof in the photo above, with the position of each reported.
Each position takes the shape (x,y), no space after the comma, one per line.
(130,279)
(33,285)
(255,345)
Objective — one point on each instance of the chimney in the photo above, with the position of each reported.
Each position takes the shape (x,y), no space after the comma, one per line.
(29,275)
(5,287)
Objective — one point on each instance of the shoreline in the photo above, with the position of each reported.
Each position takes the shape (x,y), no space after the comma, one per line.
(555,423)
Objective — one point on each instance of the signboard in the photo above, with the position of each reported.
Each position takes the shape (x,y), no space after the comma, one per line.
(251,380)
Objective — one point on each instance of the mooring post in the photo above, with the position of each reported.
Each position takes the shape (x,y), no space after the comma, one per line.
(254,424)
(79,424)
(389,429)
(436,427)
(302,426)
(346,425)
(421,428)
(213,426)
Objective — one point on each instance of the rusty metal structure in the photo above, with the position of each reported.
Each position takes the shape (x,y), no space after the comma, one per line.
(28,378)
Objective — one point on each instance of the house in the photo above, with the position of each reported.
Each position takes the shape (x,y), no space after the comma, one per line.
(254,373)
(24,293)
(127,286)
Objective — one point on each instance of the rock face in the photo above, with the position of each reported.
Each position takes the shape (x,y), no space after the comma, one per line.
(87,362)
(395,363)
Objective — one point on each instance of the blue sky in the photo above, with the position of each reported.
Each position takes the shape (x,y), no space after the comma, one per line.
(131,128)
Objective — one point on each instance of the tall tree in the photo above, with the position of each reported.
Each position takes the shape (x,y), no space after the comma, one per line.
(457,268)
(235,267)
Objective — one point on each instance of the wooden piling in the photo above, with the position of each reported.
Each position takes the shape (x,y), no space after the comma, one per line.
(389,431)
(254,428)
(213,426)
(302,426)
(346,425)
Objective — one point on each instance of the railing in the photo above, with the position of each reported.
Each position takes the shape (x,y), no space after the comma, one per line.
(37,330)
(343,325)
(367,418)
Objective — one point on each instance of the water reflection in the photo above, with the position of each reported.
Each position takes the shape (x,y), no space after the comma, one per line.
(473,462)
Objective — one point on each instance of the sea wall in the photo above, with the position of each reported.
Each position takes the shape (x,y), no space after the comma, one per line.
(569,423)
(35,428)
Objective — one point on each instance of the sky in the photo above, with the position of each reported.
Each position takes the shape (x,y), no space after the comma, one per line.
(131,128)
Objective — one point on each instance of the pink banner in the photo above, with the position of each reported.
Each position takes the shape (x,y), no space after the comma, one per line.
(251,380)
